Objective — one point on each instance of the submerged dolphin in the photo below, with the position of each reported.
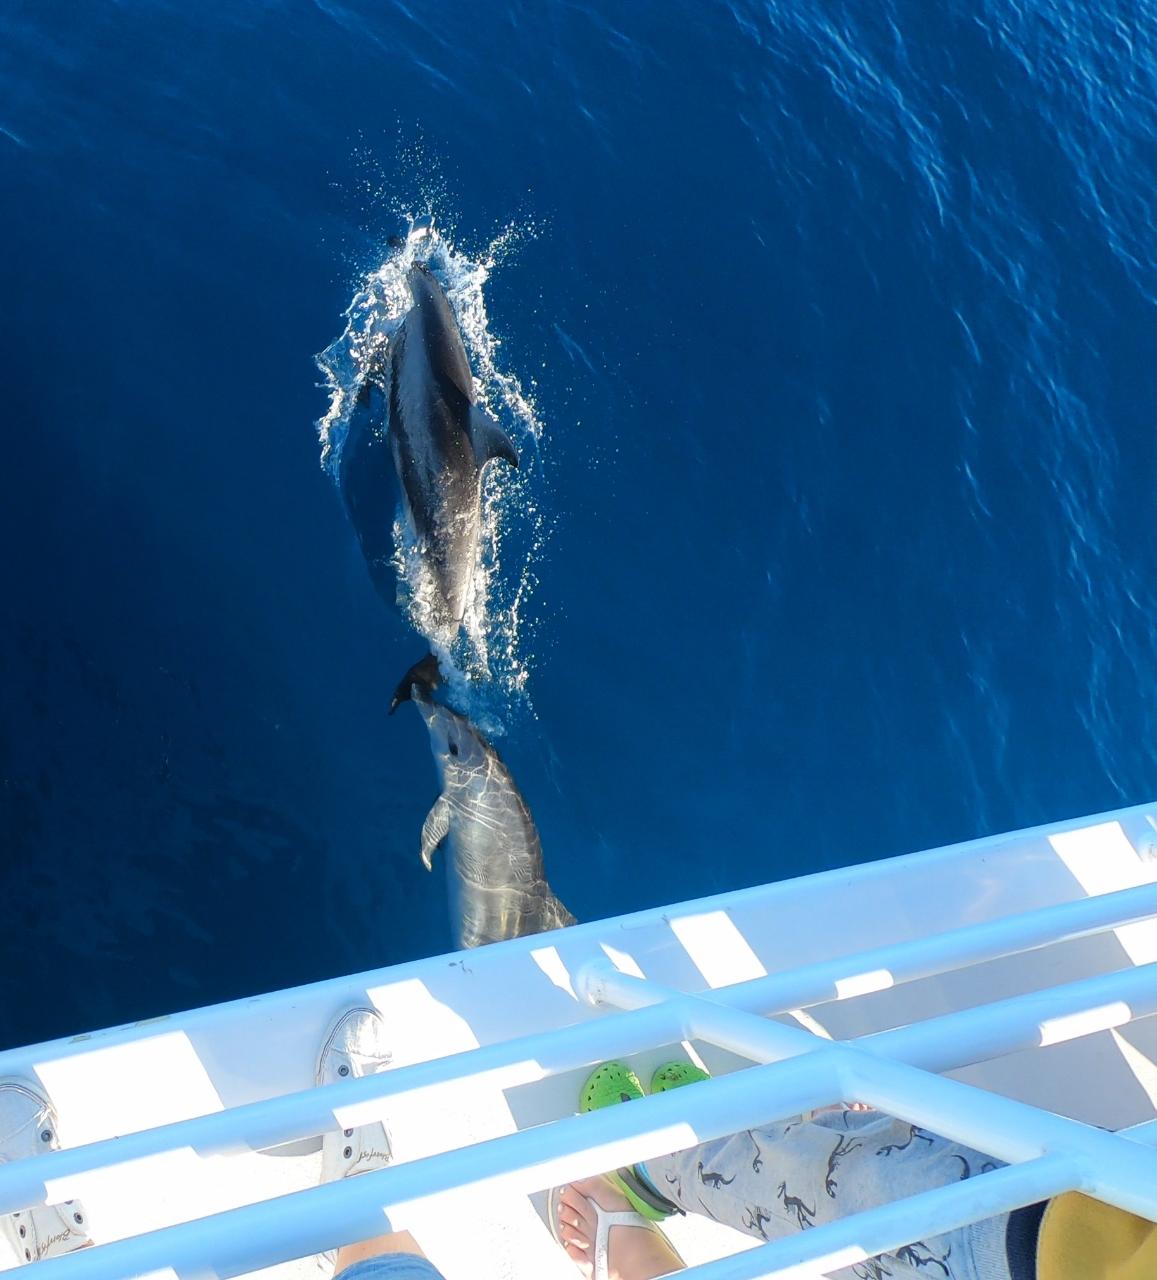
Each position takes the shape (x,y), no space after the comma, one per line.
(498,887)
(422,405)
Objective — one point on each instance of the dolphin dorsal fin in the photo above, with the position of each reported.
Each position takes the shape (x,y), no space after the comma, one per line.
(425,673)
(489,440)
(434,830)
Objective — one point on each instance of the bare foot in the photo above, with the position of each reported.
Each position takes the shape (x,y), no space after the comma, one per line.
(634,1253)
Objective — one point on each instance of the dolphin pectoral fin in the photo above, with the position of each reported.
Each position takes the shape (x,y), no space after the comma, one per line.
(369,396)
(434,830)
(563,919)
(489,440)
(364,396)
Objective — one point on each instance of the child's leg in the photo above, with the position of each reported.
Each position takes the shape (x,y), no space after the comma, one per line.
(797,1174)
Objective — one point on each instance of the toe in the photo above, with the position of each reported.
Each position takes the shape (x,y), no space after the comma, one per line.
(573,1230)
(571,1240)
(573,1198)
(581,1259)
(577,1207)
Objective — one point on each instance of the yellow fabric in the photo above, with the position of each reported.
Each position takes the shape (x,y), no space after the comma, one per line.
(1082,1239)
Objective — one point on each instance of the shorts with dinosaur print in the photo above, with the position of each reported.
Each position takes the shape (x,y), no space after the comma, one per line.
(797,1174)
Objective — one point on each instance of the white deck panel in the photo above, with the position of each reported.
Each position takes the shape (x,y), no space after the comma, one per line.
(130,1078)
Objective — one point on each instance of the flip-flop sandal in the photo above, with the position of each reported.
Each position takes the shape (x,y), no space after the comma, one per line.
(673,1075)
(606,1086)
(605,1219)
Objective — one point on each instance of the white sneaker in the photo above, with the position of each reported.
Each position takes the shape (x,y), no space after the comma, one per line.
(356,1045)
(28,1128)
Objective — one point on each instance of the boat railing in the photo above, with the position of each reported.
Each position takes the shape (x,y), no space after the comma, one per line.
(792,1071)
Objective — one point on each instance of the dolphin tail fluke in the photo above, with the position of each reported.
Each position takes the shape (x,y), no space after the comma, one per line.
(489,440)
(426,674)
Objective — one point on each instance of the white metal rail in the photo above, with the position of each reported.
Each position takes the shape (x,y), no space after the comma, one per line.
(797,1071)
(955,1040)
(940,1044)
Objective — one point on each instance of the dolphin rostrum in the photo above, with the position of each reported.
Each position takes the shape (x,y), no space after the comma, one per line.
(498,887)
(421,403)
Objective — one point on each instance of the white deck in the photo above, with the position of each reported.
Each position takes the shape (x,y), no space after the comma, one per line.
(132,1078)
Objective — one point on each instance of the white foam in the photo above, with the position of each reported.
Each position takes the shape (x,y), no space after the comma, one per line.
(492,644)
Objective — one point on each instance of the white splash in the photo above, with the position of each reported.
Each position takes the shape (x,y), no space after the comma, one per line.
(492,644)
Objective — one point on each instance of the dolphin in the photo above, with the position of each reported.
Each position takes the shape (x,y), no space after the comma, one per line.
(497,883)
(420,403)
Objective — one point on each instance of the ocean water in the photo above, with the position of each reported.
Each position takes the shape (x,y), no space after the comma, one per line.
(826,331)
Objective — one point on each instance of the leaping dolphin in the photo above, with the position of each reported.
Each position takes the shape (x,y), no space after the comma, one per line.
(422,404)
(497,883)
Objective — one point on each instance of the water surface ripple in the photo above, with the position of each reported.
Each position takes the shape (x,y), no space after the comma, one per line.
(837,324)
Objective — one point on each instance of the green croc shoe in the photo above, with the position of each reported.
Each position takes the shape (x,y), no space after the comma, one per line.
(612,1082)
(673,1075)
(607,1085)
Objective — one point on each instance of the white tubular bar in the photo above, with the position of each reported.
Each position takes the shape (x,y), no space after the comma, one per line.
(938,1044)
(308,1222)
(259,1125)
(1020,1022)
(923,957)
(1118,1171)
(891,1226)
(336,1213)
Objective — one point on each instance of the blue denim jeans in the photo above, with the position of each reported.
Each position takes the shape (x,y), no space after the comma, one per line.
(393,1266)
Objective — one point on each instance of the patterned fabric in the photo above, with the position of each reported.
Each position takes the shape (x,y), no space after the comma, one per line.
(801,1173)
(392,1266)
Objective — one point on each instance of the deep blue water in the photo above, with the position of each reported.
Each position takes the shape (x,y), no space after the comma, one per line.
(839,323)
